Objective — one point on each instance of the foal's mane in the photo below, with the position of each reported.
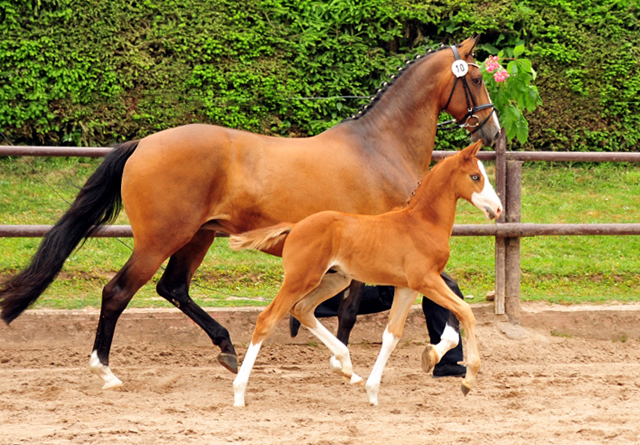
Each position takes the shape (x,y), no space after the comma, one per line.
(425,178)
(385,86)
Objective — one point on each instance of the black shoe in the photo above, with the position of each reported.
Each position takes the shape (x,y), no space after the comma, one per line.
(294,326)
(449,370)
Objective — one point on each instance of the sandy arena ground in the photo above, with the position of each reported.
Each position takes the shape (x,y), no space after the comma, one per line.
(543,389)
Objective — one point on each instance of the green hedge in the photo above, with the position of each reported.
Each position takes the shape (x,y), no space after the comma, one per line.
(92,72)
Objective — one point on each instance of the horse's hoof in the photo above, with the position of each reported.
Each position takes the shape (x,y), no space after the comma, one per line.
(428,359)
(229,361)
(465,389)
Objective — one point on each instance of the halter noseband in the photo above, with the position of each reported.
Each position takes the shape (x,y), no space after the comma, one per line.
(472,108)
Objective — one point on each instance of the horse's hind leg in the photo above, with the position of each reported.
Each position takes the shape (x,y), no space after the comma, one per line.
(115,297)
(174,286)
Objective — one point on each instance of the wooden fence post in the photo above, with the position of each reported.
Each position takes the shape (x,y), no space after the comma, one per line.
(512,254)
(501,186)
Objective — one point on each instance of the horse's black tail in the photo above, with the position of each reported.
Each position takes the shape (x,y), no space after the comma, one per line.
(98,202)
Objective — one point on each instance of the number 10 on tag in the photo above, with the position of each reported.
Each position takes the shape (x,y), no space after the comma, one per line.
(460,68)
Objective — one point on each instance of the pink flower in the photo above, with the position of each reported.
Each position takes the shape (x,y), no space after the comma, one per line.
(491,64)
(500,76)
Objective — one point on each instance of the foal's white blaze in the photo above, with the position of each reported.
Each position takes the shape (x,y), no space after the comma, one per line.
(241,380)
(102,371)
(487,200)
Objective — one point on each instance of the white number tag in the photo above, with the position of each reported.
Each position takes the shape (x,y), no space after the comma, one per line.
(460,68)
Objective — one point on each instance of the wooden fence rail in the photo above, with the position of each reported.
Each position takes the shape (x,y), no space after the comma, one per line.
(507,231)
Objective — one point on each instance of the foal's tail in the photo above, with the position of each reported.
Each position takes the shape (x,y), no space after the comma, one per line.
(98,202)
(260,239)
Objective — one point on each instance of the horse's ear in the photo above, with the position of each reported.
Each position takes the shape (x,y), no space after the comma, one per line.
(466,47)
(471,150)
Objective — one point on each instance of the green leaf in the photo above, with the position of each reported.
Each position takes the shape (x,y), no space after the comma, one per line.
(522,131)
(518,51)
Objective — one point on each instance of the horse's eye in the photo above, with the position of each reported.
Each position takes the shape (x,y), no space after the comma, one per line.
(477,81)
(475,178)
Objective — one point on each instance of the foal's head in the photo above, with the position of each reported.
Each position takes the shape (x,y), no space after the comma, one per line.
(470,181)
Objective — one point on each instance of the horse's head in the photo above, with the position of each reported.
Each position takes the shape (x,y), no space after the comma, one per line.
(472,183)
(465,96)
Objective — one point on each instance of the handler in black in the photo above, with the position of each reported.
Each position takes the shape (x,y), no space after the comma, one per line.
(379,298)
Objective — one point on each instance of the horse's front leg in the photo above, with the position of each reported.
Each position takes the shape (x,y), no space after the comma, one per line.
(436,289)
(402,302)
(348,310)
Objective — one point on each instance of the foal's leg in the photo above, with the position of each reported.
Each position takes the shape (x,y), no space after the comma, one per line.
(402,302)
(266,323)
(174,286)
(435,289)
(115,297)
(347,312)
(340,362)
(449,338)
(294,288)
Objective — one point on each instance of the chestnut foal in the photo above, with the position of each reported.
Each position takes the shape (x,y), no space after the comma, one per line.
(406,248)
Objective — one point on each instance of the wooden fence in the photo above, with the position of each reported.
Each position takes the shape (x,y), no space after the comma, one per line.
(507,231)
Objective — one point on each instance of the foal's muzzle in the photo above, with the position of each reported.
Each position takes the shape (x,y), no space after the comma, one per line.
(491,214)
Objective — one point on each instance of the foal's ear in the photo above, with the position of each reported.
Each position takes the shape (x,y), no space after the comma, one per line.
(467,46)
(471,150)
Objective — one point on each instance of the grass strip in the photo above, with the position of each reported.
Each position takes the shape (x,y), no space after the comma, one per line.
(566,270)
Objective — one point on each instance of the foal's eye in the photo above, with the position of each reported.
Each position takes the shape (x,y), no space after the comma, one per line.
(477,80)
(475,178)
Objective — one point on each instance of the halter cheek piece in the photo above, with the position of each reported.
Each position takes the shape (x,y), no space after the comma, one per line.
(472,108)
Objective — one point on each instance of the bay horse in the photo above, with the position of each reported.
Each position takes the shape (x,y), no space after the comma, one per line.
(182,185)
(405,248)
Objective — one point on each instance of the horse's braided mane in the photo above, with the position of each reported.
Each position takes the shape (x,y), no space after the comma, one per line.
(385,86)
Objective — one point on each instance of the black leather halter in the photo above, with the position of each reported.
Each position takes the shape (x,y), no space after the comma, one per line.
(472,108)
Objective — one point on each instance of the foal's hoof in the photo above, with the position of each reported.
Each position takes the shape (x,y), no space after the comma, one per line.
(335,365)
(354,379)
(229,361)
(465,389)
(114,383)
(429,358)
